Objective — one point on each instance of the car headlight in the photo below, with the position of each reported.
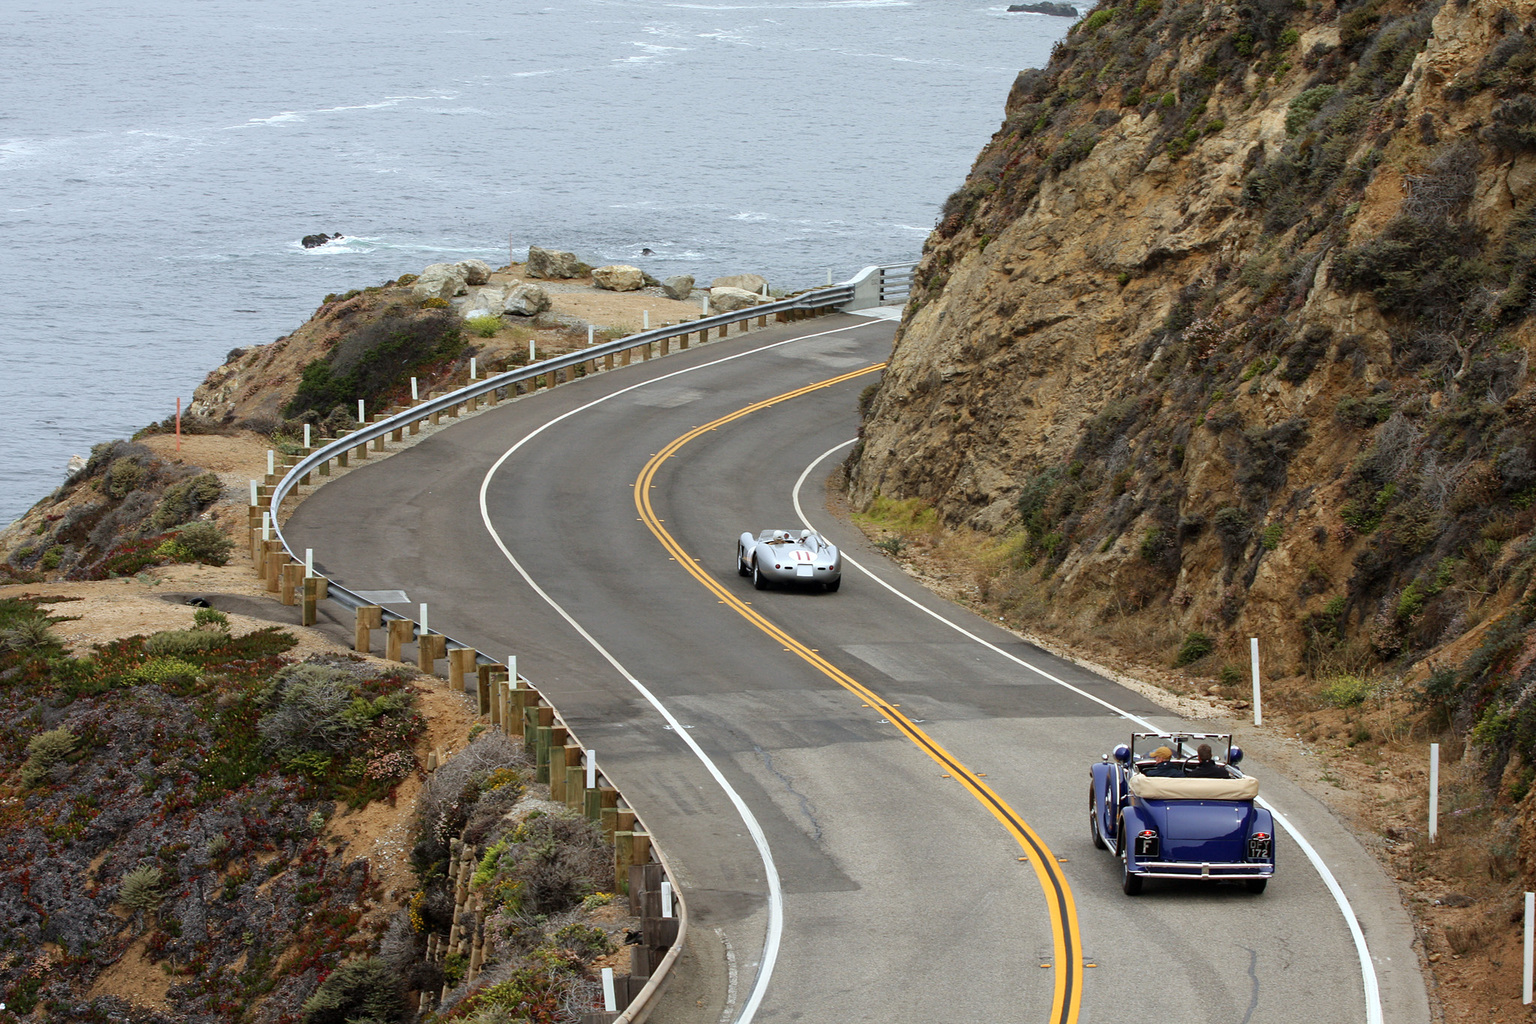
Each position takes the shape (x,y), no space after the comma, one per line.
(1146,843)
(1259,846)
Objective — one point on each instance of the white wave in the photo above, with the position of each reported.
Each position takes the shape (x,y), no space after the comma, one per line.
(750,215)
(644,58)
(658,49)
(283,118)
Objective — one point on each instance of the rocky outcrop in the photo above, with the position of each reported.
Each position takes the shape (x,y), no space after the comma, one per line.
(1190,335)
(476,272)
(679,287)
(1056,10)
(727,300)
(550,265)
(316,241)
(619,277)
(754,283)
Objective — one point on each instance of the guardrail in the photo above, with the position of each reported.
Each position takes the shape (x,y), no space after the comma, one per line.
(507,698)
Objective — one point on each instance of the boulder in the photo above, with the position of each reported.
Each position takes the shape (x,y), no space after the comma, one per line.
(316,241)
(526,299)
(746,282)
(679,287)
(619,277)
(439,281)
(727,300)
(489,297)
(553,266)
(475,271)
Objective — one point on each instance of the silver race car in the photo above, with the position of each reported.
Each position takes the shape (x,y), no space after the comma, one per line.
(789,556)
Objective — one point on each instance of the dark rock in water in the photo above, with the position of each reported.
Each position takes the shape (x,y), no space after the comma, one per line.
(1059,10)
(316,241)
(647,252)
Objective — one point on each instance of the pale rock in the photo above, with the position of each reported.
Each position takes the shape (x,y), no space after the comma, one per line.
(526,299)
(746,282)
(489,297)
(550,265)
(475,271)
(619,277)
(726,299)
(679,287)
(439,281)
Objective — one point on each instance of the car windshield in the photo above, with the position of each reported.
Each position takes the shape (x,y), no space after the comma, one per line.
(1184,745)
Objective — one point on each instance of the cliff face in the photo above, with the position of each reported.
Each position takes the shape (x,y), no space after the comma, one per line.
(1228,329)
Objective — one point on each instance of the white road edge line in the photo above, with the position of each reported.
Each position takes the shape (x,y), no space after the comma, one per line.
(775,887)
(1367,966)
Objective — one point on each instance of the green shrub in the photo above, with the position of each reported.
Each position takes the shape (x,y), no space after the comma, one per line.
(366,991)
(124,476)
(210,618)
(485,326)
(205,543)
(583,941)
(406,279)
(1305,107)
(1344,691)
(172,673)
(45,750)
(1098,19)
(1271,535)
(175,643)
(184,500)
(140,888)
(435,303)
(26,634)
(1195,646)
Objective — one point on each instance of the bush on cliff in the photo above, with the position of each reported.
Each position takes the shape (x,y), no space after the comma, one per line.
(376,358)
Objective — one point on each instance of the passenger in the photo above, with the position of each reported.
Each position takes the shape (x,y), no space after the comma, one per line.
(1205,767)
(1161,765)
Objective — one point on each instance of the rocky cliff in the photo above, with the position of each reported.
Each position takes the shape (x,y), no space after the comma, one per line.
(1227,333)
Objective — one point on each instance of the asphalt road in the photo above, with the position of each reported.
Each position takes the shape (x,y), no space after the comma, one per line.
(904,895)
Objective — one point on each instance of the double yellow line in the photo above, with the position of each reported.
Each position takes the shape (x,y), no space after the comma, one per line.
(1067,939)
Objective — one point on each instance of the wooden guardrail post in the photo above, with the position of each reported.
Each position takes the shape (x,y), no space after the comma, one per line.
(308,613)
(665,345)
(292,582)
(429,648)
(276,556)
(559,763)
(401,632)
(461,662)
(483,676)
(369,617)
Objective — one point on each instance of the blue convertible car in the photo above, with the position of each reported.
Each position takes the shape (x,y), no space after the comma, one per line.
(1175,805)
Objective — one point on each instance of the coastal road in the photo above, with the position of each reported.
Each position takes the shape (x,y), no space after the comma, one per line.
(878,818)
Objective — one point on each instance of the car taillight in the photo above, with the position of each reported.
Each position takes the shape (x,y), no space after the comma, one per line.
(1259,845)
(1146,843)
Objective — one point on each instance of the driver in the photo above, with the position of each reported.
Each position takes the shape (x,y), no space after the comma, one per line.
(1205,767)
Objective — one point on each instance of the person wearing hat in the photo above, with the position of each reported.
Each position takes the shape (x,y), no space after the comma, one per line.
(1161,763)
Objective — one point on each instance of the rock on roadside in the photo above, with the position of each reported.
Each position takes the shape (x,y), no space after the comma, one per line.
(551,265)
(619,277)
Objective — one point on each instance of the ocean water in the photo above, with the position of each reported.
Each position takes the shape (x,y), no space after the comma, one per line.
(160,160)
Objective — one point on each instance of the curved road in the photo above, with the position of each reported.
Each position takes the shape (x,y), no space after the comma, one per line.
(922,796)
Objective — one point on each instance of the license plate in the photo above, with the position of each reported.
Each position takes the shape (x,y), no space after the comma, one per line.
(806,571)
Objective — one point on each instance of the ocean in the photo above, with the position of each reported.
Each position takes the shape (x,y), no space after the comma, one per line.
(159,162)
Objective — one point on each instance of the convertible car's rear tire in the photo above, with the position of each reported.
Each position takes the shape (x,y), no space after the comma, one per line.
(1255,885)
(1129,884)
(741,564)
(758,579)
(1093,822)
(832,587)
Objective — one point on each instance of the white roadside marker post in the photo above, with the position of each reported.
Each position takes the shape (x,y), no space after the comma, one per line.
(829,276)
(610,1001)
(361,417)
(271,462)
(424,629)
(471,367)
(645,319)
(591,769)
(706,304)
(309,563)
(1434,791)
(512,670)
(307,445)
(1530,913)
(666,899)
(255,498)
(415,396)
(1258,705)
(530,350)
(266,526)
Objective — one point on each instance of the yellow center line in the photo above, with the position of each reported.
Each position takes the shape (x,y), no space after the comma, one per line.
(1067,940)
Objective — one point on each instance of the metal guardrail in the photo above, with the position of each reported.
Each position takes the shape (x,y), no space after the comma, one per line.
(872,286)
